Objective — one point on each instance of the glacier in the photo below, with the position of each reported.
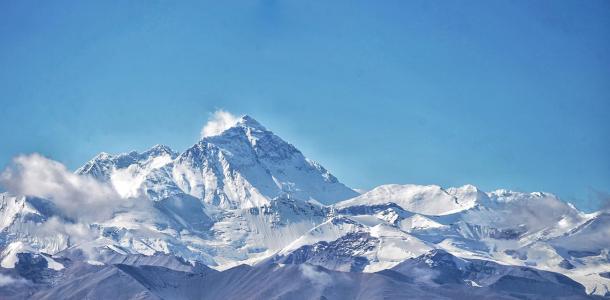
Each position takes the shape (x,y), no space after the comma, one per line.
(238,213)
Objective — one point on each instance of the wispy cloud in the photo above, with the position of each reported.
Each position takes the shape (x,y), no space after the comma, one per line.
(219,121)
(318,278)
(9,280)
(600,198)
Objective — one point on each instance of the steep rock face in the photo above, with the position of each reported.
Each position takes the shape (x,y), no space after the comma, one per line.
(247,165)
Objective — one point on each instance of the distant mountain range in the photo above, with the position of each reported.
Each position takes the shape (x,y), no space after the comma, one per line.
(245,215)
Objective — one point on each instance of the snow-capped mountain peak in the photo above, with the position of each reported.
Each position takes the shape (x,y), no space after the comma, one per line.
(426,200)
(247,165)
(249,122)
(244,195)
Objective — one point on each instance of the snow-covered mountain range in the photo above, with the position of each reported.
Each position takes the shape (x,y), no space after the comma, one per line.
(239,212)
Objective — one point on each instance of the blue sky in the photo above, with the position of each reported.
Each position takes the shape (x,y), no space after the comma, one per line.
(509,94)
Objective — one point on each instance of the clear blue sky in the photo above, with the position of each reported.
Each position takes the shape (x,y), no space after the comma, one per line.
(512,94)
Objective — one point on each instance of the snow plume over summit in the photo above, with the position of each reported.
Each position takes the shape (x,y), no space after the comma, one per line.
(220,121)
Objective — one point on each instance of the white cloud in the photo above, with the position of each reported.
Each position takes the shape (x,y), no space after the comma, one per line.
(79,234)
(520,211)
(80,198)
(424,275)
(220,121)
(318,278)
(9,280)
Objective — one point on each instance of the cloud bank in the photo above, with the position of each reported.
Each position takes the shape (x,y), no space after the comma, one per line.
(80,198)
(220,121)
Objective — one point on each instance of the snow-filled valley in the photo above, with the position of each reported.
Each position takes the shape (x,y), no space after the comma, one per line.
(244,214)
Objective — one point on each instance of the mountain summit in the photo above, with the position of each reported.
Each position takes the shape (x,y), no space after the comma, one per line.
(244,166)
